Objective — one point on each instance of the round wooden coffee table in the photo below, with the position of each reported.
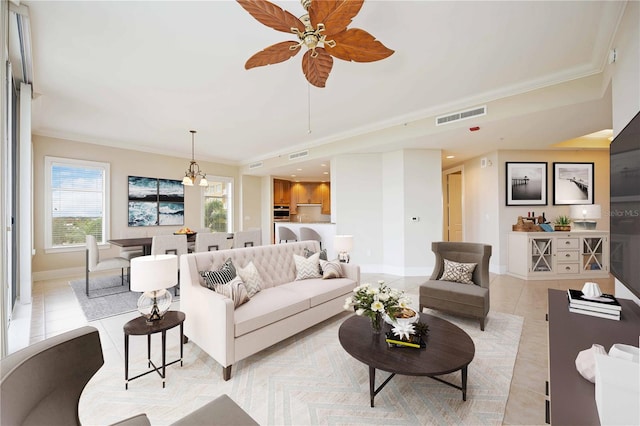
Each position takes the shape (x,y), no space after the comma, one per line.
(448,349)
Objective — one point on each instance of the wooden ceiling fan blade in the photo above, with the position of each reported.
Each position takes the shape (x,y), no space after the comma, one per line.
(359,46)
(271,15)
(336,15)
(274,54)
(317,69)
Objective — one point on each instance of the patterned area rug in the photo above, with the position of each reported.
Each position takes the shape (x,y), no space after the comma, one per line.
(107,296)
(309,379)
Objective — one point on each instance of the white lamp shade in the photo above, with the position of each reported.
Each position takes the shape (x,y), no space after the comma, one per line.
(155,272)
(343,243)
(585,211)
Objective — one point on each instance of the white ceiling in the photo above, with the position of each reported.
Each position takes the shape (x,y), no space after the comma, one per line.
(142,74)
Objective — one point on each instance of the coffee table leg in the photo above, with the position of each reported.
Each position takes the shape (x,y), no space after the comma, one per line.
(464,383)
(164,356)
(372,384)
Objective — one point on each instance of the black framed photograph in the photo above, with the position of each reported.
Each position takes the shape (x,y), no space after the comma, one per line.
(526,184)
(572,183)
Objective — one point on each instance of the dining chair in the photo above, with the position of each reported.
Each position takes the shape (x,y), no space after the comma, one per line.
(286,234)
(212,241)
(133,251)
(307,234)
(94,264)
(170,244)
(249,238)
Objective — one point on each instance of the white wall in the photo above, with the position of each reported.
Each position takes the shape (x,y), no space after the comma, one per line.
(625,82)
(393,212)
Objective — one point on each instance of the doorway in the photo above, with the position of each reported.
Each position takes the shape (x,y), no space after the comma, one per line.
(453,205)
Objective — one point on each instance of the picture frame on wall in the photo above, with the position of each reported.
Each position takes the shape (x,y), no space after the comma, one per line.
(526,184)
(573,183)
(155,202)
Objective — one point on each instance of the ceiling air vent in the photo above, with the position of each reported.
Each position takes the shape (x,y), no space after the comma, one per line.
(299,154)
(256,165)
(461,115)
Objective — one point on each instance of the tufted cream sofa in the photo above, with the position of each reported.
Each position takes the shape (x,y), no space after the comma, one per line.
(283,308)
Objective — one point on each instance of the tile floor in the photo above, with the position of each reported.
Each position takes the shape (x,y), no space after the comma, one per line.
(55,310)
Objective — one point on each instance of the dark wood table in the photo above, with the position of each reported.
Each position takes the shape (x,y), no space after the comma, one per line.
(140,327)
(573,400)
(448,349)
(145,242)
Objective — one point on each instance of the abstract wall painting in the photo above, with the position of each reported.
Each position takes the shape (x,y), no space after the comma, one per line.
(154,201)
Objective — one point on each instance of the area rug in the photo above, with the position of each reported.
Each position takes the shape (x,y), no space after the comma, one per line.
(309,379)
(107,297)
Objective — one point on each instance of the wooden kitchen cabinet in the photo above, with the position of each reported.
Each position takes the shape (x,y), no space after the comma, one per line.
(310,193)
(281,192)
(325,191)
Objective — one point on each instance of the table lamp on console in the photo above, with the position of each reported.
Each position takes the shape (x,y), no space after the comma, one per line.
(152,275)
(343,244)
(584,215)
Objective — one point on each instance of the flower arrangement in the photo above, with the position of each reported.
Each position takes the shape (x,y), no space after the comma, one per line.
(372,302)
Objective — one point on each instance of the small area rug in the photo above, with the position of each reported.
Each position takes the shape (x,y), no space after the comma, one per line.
(309,379)
(107,297)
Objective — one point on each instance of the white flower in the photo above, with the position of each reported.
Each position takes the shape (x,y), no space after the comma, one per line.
(403,303)
(380,282)
(375,291)
(383,297)
(365,285)
(360,311)
(370,291)
(348,301)
(377,306)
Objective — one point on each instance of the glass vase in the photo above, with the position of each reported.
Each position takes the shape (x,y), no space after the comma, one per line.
(376,323)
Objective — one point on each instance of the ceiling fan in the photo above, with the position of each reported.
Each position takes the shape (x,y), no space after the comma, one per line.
(323,30)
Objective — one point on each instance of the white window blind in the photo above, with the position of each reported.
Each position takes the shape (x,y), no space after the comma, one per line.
(76,205)
(218,205)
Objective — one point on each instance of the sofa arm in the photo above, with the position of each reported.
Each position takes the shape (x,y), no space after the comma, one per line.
(352,271)
(209,318)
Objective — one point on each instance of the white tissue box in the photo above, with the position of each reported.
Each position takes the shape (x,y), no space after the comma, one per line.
(617,390)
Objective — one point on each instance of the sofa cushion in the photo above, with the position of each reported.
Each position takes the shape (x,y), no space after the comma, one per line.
(223,275)
(331,269)
(307,267)
(319,291)
(251,278)
(458,272)
(267,307)
(460,294)
(234,290)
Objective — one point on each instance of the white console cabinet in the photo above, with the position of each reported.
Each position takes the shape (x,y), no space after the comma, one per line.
(558,255)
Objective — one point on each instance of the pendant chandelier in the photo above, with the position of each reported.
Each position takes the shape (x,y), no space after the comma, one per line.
(193,173)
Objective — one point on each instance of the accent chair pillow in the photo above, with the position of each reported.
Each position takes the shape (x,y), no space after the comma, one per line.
(458,272)
(226,273)
(251,278)
(331,269)
(307,267)
(234,290)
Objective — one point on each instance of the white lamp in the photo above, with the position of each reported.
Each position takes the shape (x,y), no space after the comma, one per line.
(343,245)
(152,275)
(583,215)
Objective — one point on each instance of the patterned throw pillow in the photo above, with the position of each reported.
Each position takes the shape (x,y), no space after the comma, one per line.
(331,269)
(251,278)
(226,273)
(323,256)
(458,272)
(234,290)
(307,267)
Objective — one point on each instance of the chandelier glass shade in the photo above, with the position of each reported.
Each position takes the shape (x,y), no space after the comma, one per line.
(193,172)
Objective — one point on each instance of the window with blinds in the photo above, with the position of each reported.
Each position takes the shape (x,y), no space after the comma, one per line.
(76,204)
(218,209)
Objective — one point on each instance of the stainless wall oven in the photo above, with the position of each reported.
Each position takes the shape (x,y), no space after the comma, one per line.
(281,213)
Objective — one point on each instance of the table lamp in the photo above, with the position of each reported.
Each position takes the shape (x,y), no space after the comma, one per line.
(583,215)
(152,275)
(343,245)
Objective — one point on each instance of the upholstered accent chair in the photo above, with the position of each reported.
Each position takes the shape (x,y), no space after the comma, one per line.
(94,264)
(42,384)
(464,299)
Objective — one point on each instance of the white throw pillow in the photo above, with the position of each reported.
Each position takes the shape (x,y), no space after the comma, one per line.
(251,278)
(331,269)
(307,267)
(458,272)
(234,290)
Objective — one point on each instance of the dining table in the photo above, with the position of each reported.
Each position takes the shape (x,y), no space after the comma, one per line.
(145,242)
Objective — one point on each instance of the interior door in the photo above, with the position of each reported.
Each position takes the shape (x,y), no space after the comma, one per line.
(454,206)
